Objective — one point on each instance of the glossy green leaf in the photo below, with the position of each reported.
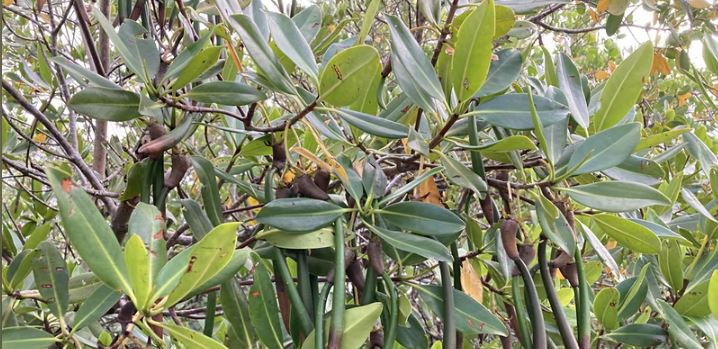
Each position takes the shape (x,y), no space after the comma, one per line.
(569,81)
(412,68)
(471,317)
(472,51)
(309,21)
(670,263)
(678,329)
(640,335)
(710,52)
(210,190)
(78,71)
(180,62)
(290,240)
(139,55)
(20,268)
(713,294)
(660,230)
(51,277)
(263,309)
(623,87)
(95,307)
(694,300)
(374,125)
(605,149)
(462,175)
(693,202)
(196,218)
(512,111)
(502,72)
(555,226)
(197,66)
(629,234)
(208,257)
(605,307)
(616,196)
(299,214)
(422,218)
(236,311)
(191,339)
(358,323)
(137,259)
(633,293)
(701,152)
(345,76)
(422,246)
(25,337)
(239,258)
(262,55)
(225,93)
(368,20)
(88,231)
(292,43)
(109,104)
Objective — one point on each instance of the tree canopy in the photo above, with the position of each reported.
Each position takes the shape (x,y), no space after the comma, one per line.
(348,174)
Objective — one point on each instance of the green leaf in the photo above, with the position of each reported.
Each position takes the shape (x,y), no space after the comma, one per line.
(368,20)
(713,294)
(172,272)
(210,190)
(20,268)
(291,240)
(512,111)
(109,104)
(462,175)
(292,43)
(180,62)
(502,72)
(196,66)
(137,259)
(670,264)
(422,218)
(196,218)
(95,307)
(710,52)
(345,76)
(471,317)
(208,257)
(629,234)
(605,307)
(225,93)
(78,71)
(299,214)
(633,293)
(38,235)
(191,339)
(696,204)
(25,337)
(640,335)
(549,67)
(694,300)
(358,323)
(605,149)
(410,186)
(236,311)
(660,230)
(422,246)
(623,87)
(472,51)
(555,226)
(701,152)
(88,232)
(616,196)
(261,53)
(263,309)
(412,68)
(147,222)
(569,81)
(51,277)
(239,258)
(374,125)
(679,331)
(505,20)
(309,21)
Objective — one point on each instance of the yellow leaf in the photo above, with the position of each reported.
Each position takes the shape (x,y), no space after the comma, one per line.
(683,98)
(611,244)
(427,191)
(8,2)
(660,64)
(602,75)
(602,5)
(611,66)
(594,16)
(288,177)
(471,282)
(40,138)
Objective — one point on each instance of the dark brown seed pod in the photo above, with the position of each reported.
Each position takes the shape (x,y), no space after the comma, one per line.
(376,256)
(561,260)
(180,165)
(121,218)
(509,228)
(570,273)
(487,207)
(124,316)
(321,179)
(156,130)
(527,253)
(349,256)
(307,188)
(279,155)
(282,193)
(355,275)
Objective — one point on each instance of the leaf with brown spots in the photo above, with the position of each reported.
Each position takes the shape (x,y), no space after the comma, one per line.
(51,277)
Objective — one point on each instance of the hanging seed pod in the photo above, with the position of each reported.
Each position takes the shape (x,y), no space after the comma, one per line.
(279,155)
(156,130)
(509,228)
(355,275)
(282,193)
(180,165)
(376,259)
(306,187)
(321,179)
(570,273)
(157,146)
(527,253)
(560,261)
(124,316)
(121,218)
